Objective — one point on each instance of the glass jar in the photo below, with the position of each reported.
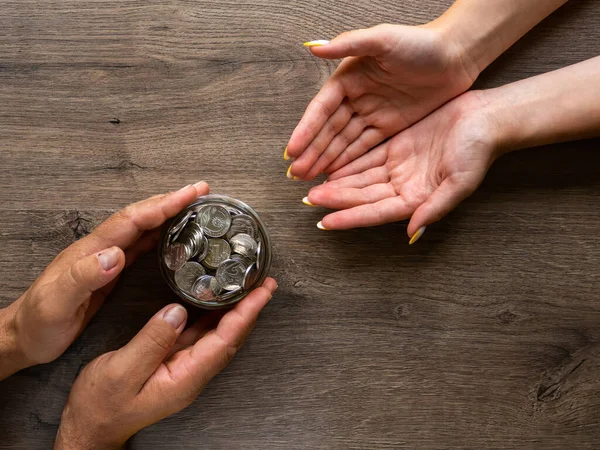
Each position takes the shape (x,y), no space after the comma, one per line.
(257,263)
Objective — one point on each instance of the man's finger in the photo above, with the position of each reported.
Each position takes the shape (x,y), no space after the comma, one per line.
(86,275)
(140,358)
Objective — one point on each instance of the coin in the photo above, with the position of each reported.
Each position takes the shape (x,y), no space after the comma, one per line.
(188,274)
(176,255)
(230,274)
(232,210)
(242,223)
(179,225)
(244,244)
(244,259)
(202,288)
(215,220)
(203,250)
(259,256)
(196,236)
(250,277)
(218,251)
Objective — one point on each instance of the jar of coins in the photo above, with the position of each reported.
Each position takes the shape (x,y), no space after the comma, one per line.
(215,252)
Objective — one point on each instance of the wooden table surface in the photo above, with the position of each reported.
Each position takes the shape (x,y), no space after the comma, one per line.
(484,335)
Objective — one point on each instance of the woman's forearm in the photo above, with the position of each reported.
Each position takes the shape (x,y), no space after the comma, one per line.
(554,107)
(484,29)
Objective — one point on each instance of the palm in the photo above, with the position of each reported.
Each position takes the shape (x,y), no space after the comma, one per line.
(446,154)
(370,98)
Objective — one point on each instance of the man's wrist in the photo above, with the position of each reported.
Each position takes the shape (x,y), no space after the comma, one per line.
(12,358)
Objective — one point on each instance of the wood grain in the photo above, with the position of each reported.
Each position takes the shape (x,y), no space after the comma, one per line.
(485,335)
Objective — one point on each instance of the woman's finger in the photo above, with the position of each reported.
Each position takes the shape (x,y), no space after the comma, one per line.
(336,123)
(319,110)
(345,198)
(375,158)
(384,211)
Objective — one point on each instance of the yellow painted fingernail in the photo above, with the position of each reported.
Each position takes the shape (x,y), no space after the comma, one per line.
(417,235)
(317,43)
(285,155)
(320,226)
(289,172)
(306,202)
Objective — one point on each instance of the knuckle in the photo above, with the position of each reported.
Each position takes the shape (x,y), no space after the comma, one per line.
(160,338)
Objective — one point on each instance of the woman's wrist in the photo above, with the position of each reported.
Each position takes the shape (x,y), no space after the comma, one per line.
(12,358)
(483,30)
(554,107)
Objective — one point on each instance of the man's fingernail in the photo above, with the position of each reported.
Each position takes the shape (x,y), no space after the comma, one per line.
(198,184)
(306,202)
(109,258)
(175,316)
(289,172)
(185,187)
(285,155)
(317,43)
(320,226)
(417,235)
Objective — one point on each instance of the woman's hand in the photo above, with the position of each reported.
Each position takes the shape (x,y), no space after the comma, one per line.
(158,373)
(47,318)
(423,172)
(392,77)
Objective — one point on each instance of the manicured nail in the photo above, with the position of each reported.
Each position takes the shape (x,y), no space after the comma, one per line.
(109,258)
(289,172)
(285,155)
(317,43)
(306,202)
(320,226)
(175,316)
(184,188)
(417,235)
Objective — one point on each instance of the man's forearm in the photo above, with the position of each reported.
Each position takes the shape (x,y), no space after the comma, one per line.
(484,29)
(11,360)
(554,107)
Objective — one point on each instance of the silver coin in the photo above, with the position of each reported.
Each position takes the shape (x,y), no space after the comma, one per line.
(232,210)
(203,250)
(229,294)
(218,251)
(202,288)
(250,277)
(214,220)
(230,274)
(176,255)
(179,225)
(244,259)
(188,274)
(242,223)
(244,244)
(196,236)
(259,256)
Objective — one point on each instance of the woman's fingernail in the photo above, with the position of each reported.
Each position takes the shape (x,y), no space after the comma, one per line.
(417,235)
(317,43)
(306,202)
(320,226)
(109,258)
(184,188)
(285,155)
(175,316)
(289,172)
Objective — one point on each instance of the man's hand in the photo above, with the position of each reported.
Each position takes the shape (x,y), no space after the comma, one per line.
(158,373)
